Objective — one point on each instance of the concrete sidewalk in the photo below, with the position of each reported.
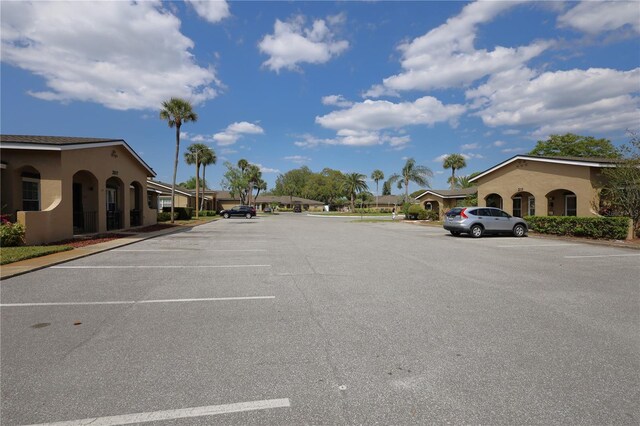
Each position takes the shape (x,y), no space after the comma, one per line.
(29,265)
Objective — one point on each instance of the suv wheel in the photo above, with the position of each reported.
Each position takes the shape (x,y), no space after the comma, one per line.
(519,230)
(476,231)
(248,215)
(226,215)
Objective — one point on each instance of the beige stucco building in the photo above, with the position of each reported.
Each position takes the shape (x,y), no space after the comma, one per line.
(58,187)
(442,200)
(543,186)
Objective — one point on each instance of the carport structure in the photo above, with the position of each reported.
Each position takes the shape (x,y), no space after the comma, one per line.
(543,186)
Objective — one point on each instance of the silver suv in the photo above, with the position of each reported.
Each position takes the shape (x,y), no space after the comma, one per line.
(477,221)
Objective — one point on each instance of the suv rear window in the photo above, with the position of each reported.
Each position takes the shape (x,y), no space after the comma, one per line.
(454,212)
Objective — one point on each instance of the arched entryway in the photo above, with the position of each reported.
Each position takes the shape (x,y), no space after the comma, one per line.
(432,205)
(493,200)
(562,202)
(85,202)
(135,201)
(523,204)
(114,195)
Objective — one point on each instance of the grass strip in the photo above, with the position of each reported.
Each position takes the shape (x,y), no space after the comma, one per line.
(16,254)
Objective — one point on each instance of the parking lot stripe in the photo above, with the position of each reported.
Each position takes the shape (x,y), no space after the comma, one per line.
(138,302)
(171,250)
(602,255)
(157,266)
(154,416)
(537,245)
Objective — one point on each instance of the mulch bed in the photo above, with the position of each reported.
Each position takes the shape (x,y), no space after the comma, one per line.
(82,242)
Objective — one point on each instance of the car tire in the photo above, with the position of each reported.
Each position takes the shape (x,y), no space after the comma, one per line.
(226,215)
(476,231)
(519,230)
(455,233)
(248,215)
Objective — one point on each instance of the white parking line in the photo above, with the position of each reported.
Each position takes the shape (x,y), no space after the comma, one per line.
(603,255)
(172,250)
(537,245)
(154,416)
(138,302)
(158,266)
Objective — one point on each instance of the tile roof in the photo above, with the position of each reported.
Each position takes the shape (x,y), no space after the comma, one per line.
(53,140)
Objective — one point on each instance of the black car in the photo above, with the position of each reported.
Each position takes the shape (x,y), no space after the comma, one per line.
(243,211)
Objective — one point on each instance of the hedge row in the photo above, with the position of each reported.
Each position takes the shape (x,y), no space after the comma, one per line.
(415,211)
(183,213)
(613,228)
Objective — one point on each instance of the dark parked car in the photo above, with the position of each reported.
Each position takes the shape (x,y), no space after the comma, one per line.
(243,211)
(297,208)
(477,221)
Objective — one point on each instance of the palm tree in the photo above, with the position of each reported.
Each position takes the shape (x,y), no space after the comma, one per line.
(208,157)
(194,156)
(253,176)
(354,183)
(377,176)
(176,112)
(243,164)
(454,162)
(411,172)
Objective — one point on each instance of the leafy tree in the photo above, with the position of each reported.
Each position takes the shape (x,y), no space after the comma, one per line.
(454,162)
(621,189)
(176,112)
(386,188)
(235,182)
(377,176)
(353,184)
(189,183)
(411,172)
(571,145)
(464,181)
(208,158)
(254,177)
(292,183)
(414,194)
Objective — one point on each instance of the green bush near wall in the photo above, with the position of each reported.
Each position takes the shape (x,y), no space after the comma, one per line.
(611,228)
(11,234)
(415,211)
(184,213)
(165,216)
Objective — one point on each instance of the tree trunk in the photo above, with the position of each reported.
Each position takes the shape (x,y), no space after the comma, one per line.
(453,178)
(204,183)
(377,192)
(175,171)
(197,184)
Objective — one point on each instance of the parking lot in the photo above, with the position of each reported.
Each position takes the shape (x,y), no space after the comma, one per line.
(292,319)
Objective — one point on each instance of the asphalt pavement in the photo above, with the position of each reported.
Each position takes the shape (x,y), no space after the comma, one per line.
(292,319)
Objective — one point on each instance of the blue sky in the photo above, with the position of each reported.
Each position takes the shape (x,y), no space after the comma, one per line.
(354,86)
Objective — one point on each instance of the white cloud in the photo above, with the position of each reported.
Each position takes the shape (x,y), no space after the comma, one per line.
(211,10)
(593,17)
(593,100)
(513,150)
(471,155)
(377,115)
(499,143)
(292,44)
(264,169)
(235,131)
(469,146)
(446,57)
(336,100)
(349,137)
(511,132)
(378,91)
(440,158)
(122,55)
(298,159)
(228,151)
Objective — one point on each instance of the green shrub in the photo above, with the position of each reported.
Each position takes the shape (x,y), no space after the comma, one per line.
(208,213)
(182,213)
(166,216)
(433,215)
(415,211)
(613,228)
(11,234)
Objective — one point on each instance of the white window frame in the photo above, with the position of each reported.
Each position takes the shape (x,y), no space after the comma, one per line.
(37,182)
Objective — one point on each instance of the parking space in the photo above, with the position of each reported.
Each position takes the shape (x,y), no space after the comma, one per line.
(294,320)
